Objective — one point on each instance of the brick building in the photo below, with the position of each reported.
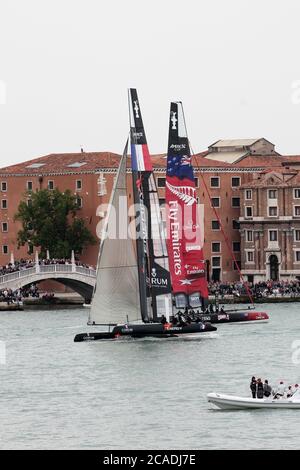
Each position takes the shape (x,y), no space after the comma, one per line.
(270,225)
(226,168)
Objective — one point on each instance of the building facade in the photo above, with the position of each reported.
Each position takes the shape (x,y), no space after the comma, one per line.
(223,174)
(270,226)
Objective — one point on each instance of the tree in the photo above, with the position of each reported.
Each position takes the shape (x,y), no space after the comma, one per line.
(49,221)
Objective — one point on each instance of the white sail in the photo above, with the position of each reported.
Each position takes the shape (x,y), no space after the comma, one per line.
(116,295)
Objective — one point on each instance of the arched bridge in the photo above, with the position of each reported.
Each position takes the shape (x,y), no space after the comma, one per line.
(78,278)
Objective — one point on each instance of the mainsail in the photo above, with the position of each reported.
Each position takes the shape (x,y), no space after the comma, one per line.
(116,294)
(187,266)
(151,243)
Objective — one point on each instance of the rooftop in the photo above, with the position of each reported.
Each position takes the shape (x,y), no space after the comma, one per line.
(89,162)
(58,163)
(234,143)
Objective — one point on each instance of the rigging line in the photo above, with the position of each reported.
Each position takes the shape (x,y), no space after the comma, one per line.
(222,228)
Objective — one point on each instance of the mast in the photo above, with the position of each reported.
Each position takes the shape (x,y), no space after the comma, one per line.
(184,237)
(154,278)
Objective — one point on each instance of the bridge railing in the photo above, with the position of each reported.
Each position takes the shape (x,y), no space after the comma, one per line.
(44,269)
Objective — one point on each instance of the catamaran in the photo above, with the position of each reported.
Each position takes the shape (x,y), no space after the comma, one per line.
(133,293)
(185,229)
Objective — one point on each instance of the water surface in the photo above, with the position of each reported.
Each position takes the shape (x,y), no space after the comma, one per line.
(142,394)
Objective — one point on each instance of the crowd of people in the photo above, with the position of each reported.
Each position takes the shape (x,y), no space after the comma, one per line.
(11,296)
(257,290)
(22,264)
(260,389)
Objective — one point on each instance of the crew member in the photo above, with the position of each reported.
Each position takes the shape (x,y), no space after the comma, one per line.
(253,387)
(260,389)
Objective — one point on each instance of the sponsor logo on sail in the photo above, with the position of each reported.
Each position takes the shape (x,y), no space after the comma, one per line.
(194,269)
(173,120)
(157,281)
(136,109)
(175,237)
(178,147)
(137,135)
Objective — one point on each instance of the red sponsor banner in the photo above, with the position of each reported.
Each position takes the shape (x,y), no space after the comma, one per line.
(185,252)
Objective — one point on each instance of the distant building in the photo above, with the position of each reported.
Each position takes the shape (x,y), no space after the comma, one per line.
(227,168)
(270,226)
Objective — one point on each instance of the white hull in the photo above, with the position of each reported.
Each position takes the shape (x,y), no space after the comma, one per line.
(230,402)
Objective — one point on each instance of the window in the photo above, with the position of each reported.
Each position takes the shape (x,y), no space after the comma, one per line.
(236,246)
(297,255)
(297,235)
(248,211)
(216,261)
(30,249)
(297,193)
(29,202)
(272,193)
(78,185)
(235,202)
(4,226)
(79,202)
(272,211)
(29,185)
(248,194)
(5,249)
(273,235)
(161,182)
(215,225)
(50,184)
(161,201)
(214,182)
(235,224)
(234,265)
(215,202)
(250,256)
(216,247)
(4,203)
(296,211)
(235,181)
(196,182)
(249,235)
(4,186)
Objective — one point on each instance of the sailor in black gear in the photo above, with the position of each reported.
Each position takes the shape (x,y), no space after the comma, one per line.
(260,389)
(253,387)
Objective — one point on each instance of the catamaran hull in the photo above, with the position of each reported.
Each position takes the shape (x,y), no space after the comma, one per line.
(232,317)
(151,330)
(229,402)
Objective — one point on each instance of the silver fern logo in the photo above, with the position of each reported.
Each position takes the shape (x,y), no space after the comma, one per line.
(187,194)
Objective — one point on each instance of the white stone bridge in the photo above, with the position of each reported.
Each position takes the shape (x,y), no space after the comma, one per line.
(78,278)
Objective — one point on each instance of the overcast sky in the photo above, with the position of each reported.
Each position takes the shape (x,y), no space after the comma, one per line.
(65,66)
